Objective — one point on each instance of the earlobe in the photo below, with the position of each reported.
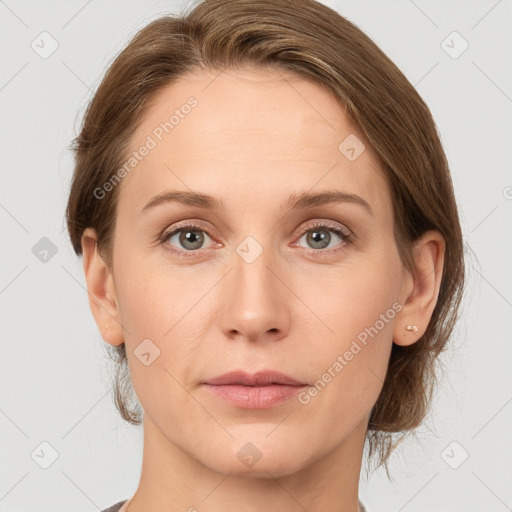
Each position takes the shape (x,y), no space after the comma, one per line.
(101,290)
(422,290)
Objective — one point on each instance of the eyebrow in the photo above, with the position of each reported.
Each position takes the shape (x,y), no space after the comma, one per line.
(310,200)
(295,201)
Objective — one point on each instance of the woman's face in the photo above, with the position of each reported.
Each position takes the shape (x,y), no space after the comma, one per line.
(312,291)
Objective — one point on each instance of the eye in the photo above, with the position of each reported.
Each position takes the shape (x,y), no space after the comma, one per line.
(185,239)
(319,238)
(188,239)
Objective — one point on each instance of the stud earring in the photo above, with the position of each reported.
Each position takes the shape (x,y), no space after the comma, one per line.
(412,328)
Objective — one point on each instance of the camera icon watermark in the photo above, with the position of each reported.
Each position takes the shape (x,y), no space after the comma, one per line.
(454,455)
(454,45)
(249,454)
(44,455)
(249,249)
(44,45)
(351,147)
(44,250)
(146,352)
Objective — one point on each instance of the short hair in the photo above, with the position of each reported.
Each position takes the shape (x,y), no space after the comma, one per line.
(314,42)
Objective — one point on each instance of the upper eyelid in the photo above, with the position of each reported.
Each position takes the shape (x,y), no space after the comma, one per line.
(187,224)
(325,223)
(329,225)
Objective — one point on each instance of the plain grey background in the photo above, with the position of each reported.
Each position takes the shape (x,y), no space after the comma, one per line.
(55,375)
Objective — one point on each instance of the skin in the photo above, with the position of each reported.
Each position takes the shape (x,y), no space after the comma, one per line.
(256,137)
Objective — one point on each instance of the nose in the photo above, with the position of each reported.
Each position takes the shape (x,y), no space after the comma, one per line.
(255,302)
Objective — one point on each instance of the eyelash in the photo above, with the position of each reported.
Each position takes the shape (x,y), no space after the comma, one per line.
(347,238)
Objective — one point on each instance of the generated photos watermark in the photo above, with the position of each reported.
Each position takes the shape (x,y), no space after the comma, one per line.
(304,397)
(157,135)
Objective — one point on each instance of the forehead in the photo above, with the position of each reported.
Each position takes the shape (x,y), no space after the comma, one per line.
(260,133)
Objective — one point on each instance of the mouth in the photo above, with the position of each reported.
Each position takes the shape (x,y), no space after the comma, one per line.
(261,390)
(262,378)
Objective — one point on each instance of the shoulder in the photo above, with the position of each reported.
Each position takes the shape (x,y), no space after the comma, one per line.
(115,507)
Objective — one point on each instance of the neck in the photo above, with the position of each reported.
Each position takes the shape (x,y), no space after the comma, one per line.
(172,480)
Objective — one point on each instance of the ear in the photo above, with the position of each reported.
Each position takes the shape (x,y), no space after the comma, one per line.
(420,289)
(101,290)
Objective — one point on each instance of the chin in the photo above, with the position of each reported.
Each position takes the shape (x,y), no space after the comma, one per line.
(253,460)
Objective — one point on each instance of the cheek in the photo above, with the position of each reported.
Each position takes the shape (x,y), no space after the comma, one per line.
(347,300)
(154,296)
(161,312)
(358,308)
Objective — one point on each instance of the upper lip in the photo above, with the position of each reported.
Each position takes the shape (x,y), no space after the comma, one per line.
(262,378)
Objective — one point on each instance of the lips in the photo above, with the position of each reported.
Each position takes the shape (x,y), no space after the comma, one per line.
(262,378)
(261,390)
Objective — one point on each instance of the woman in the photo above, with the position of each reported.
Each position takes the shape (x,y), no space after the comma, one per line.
(272,249)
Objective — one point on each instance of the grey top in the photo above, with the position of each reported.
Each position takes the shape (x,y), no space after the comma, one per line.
(115,507)
(119,504)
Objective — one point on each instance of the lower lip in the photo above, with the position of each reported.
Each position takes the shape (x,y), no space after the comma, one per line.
(255,397)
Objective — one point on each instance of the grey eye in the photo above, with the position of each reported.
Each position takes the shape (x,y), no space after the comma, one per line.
(188,239)
(320,238)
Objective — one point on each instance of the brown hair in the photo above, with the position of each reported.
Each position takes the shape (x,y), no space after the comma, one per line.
(313,41)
